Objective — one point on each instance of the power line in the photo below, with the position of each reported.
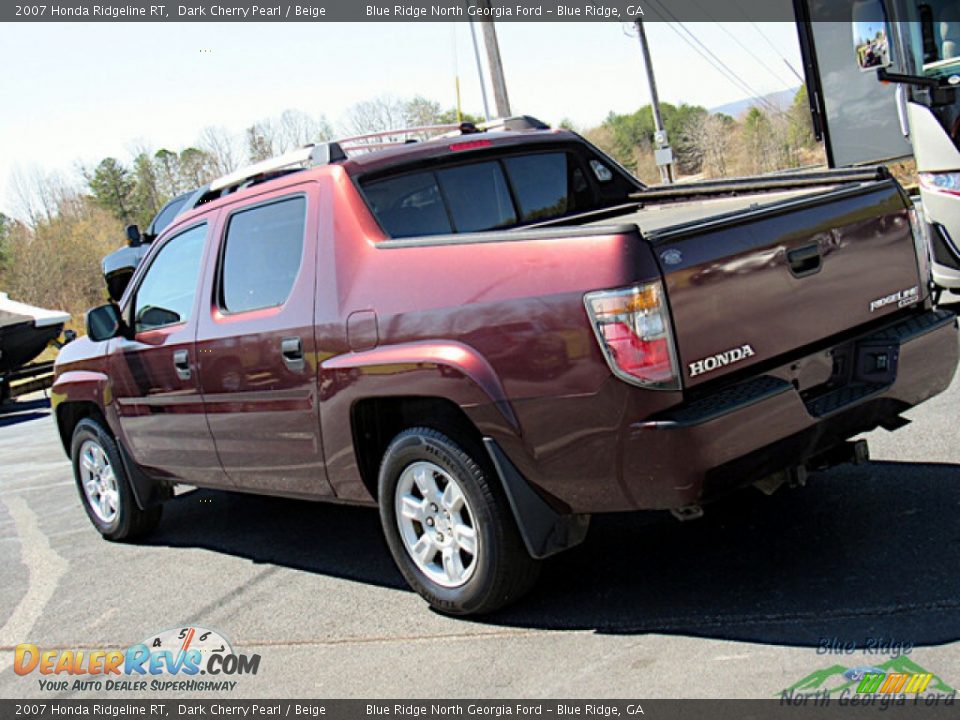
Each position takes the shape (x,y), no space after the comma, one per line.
(746,48)
(766,39)
(752,92)
(717,64)
(777,51)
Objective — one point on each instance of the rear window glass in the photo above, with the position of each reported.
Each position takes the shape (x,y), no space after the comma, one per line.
(261,258)
(486,195)
(409,205)
(540,183)
(477,196)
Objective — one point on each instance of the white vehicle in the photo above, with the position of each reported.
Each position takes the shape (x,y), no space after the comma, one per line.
(896,94)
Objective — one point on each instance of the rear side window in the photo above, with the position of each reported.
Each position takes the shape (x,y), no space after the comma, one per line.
(262,255)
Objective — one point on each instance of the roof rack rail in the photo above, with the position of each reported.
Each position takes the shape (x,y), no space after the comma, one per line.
(336,150)
(513,123)
(415,130)
(307,156)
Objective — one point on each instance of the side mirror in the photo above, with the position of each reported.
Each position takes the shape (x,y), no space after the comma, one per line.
(871,35)
(104,322)
(133,236)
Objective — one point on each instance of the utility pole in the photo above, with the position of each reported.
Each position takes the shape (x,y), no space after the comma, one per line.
(500,100)
(483,83)
(662,152)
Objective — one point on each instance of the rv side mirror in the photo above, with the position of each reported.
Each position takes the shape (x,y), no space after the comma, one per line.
(133,235)
(871,35)
(104,322)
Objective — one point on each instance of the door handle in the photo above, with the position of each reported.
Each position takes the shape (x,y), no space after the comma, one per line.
(805,260)
(292,351)
(181,361)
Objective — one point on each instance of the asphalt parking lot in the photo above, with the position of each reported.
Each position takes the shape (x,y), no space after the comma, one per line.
(732,605)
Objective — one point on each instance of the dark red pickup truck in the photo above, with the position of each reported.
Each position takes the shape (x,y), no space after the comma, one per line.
(494,335)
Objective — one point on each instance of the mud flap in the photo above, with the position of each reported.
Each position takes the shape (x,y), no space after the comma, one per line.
(545,532)
(147,492)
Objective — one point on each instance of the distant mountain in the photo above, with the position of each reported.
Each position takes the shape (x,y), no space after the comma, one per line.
(780,100)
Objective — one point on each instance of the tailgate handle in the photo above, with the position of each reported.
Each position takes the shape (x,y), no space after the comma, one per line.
(805,260)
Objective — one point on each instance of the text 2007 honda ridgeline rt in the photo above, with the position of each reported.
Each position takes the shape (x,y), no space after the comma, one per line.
(492,336)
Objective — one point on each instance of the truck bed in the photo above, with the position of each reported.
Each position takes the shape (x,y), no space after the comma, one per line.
(769,274)
(651,219)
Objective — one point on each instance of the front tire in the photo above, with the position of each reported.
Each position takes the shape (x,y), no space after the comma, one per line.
(449,527)
(104,486)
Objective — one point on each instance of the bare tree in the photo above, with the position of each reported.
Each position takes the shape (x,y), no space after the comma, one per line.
(37,195)
(420,111)
(196,168)
(708,138)
(56,262)
(370,116)
(296,129)
(263,141)
(222,148)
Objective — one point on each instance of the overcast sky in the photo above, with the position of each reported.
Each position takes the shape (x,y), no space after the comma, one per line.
(79,92)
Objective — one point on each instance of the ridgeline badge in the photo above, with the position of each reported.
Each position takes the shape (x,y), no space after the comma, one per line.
(902,298)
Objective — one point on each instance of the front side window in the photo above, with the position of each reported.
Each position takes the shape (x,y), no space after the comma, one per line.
(262,255)
(165,297)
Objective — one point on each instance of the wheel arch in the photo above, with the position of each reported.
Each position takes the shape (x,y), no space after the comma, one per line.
(80,395)
(76,395)
(375,421)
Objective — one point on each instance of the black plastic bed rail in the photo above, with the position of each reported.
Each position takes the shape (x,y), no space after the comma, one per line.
(771,183)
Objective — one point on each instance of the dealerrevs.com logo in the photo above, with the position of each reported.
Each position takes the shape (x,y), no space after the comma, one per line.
(173,660)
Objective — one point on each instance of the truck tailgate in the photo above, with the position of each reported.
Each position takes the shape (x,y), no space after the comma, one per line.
(762,284)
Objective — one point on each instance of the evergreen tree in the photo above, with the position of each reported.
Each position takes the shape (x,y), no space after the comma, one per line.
(112,185)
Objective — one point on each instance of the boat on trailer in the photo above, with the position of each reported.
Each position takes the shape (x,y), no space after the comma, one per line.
(25,331)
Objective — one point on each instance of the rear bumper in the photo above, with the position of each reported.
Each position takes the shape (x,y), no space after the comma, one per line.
(763,424)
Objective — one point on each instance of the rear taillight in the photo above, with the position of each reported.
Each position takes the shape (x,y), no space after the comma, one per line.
(633,328)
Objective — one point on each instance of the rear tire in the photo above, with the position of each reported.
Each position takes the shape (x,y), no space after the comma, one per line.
(449,526)
(104,487)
